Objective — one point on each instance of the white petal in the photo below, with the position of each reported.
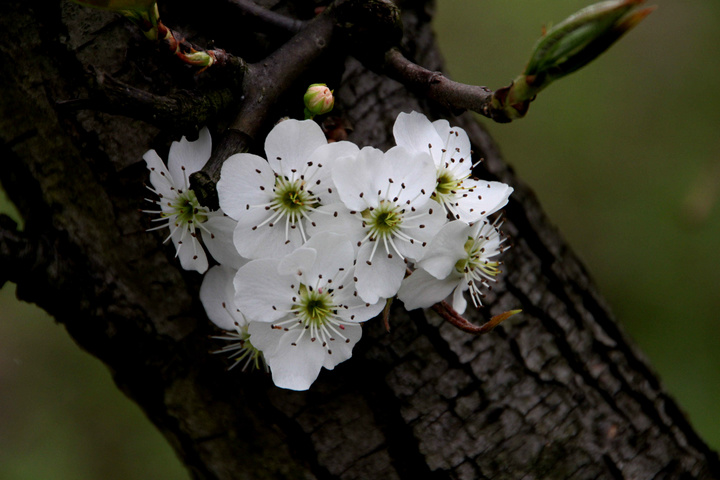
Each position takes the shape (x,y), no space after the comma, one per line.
(159,174)
(294,367)
(290,143)
(219,241)
(485,199)
(342,349)
(264,241)
(335,256)
(325,158)
(191,155)
(414,132)
(456,144)
(298,263)
(217,295)
(354,308)
(242,180)
(354,178)
(382,278)
(413,170)
(261,293)
(189,251)
(422,290)
(459,303)
(446,249)
(422,225)
(336,218)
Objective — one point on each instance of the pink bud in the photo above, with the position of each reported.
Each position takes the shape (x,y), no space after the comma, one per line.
(318,99)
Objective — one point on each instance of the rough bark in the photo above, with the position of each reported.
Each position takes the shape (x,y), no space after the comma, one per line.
(557,392)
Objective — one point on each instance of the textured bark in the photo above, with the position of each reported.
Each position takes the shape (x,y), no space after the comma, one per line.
(557,392)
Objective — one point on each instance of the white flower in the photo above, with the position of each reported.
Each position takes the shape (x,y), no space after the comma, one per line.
(179,207)
(304,309)
(387,213)
(271,200)
(217,295)
(465,198)
(461,257)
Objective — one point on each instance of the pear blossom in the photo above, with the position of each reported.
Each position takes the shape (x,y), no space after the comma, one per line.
(271,200)
(217,295)
(460,258)
(387,213)
(305,313)
(466,199)
(180,210)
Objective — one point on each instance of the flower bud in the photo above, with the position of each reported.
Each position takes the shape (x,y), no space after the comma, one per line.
(565,48)
(582,37)
(197,59)
(318,100)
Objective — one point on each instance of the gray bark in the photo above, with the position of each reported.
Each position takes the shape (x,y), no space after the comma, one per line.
(557,392)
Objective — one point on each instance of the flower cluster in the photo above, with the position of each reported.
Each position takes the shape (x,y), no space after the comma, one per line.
(323,234)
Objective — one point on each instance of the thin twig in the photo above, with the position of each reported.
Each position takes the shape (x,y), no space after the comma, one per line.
(453,95)
(263,85)
(177,110)
(267,18)
(448,313)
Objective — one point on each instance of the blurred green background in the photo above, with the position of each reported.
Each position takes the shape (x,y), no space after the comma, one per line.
(625,157)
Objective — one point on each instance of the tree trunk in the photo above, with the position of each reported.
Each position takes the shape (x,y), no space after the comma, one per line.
(556,392)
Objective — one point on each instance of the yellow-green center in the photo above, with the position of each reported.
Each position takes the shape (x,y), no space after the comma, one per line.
(187,209)
(383,221)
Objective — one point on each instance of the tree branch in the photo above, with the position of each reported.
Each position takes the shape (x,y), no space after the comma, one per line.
(177,110)
(271,21)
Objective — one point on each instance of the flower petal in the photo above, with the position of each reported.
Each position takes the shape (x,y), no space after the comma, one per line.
(294,367)
(159,175)
(484,199)
(446,249)
(355,178)
(217,295)
(381,278)
(219,241)
(325,158)
(245,180)
(254,240)
(458,301)
(191,155)
(336,218)
(422,290)
(413,177)
(262,294)
(335,256)
(188,249)
(342,349)
(414,132)
(290,144)
(456,144)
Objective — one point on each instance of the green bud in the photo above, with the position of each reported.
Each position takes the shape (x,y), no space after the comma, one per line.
(318,100)
(582,37)
(565,48)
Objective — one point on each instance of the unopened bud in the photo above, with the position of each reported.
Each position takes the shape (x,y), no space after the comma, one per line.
(318,100)
(582,37)
(197,59)
(565,48)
